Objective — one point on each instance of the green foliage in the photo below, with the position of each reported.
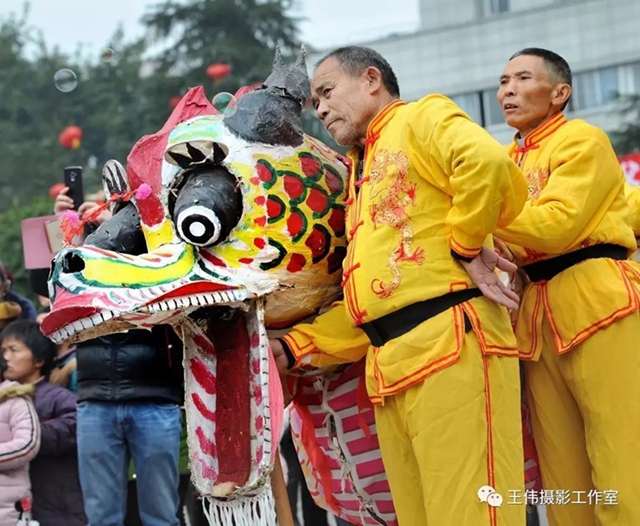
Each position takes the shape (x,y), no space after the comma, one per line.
(241,33)
(627,139)
(11,250)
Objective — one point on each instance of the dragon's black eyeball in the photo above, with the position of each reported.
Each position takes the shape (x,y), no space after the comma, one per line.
(208,206)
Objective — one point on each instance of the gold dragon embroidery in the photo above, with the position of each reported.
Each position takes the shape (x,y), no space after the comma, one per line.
(536,181)
(389,204)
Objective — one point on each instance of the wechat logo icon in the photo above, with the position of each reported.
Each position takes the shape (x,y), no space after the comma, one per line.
(490,496)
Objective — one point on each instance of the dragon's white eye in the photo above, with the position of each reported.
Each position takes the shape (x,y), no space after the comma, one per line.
(207,207)
(199,226)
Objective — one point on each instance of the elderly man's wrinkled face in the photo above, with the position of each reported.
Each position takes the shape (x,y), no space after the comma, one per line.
(343,102)
(529,93)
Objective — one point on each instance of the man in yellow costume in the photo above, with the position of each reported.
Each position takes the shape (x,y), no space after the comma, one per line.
(633,198)
(578,324)
(428,188)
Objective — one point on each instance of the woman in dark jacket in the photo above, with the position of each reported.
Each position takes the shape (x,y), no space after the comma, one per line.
(57,497)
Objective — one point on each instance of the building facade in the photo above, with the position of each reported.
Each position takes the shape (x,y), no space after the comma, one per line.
(462,46)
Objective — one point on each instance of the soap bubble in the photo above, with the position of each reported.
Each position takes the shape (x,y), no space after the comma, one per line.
(107,54)
(65,80)
(225,103)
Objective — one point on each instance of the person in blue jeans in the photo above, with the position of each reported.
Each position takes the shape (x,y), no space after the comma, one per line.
(129,395)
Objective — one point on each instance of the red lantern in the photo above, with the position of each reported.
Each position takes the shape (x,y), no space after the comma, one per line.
(55,189)
(174,101)
(218,71)
(70,138)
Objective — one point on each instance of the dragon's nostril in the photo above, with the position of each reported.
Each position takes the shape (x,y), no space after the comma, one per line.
(72,263)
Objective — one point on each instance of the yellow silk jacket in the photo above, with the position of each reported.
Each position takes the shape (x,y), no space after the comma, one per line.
(633,198)
(432,182)
(576,199)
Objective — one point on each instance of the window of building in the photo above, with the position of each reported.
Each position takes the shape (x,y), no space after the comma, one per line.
(492,109)
(493,7)
(635,88)
(471,104)
(596,88)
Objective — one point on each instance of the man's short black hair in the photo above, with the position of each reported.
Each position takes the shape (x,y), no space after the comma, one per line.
(556,65)
(29,333)
(355,59)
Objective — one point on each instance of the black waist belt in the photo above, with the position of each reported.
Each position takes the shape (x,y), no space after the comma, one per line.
(400,322)
(550,268)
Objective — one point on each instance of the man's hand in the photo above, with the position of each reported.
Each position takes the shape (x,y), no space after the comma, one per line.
(482,272)
(87,207)
(282,362)
(63,202)
(280,357)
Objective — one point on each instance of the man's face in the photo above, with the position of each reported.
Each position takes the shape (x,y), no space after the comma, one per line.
(19,358)
(527,93)
(343,103)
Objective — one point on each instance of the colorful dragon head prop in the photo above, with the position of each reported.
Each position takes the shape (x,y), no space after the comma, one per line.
(223,226)
(243,229)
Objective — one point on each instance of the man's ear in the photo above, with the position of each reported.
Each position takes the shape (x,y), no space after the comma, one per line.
(561,94)
(374,78)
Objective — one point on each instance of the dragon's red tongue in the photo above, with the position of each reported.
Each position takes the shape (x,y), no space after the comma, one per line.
(233,404)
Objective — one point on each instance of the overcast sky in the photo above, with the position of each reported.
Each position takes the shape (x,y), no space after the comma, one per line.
(329,22)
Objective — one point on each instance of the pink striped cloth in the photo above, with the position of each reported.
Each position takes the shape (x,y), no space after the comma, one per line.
(333,427)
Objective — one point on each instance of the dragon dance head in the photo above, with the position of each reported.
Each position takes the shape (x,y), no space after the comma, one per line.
(240,229)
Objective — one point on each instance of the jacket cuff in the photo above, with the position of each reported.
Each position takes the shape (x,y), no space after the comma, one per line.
(458,257)
(299,347)
(466,245)
(291,359)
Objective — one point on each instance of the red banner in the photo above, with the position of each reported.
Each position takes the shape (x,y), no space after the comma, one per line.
(631,166)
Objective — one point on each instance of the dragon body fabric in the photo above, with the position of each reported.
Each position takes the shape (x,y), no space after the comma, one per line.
(233,225)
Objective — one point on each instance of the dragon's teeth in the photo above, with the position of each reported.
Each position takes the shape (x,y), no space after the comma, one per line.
(107,315)
(86,323)
(77,326)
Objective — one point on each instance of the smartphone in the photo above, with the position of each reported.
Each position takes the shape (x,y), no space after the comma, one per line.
(73,180)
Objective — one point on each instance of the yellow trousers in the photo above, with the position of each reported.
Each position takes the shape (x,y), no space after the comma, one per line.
(445,438)
(585,415)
